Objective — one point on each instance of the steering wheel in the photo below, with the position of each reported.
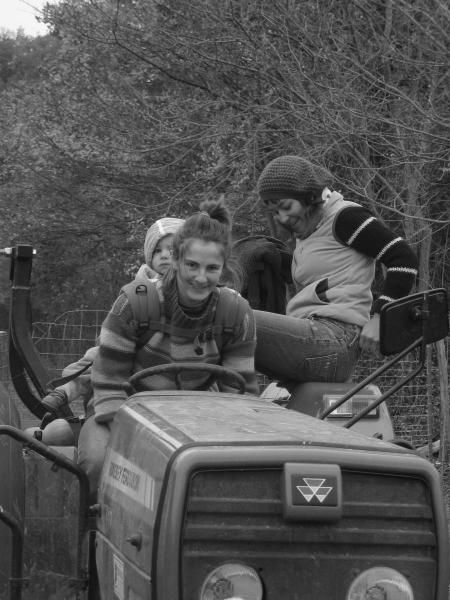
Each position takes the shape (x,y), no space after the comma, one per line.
(215,372)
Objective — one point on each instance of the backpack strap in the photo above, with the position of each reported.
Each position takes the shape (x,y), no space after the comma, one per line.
(147,307)
(227,306)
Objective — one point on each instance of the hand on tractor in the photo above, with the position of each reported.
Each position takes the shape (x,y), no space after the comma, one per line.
(369,339)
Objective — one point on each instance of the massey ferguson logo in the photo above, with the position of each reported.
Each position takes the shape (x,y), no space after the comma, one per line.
(314,488)
(315,491)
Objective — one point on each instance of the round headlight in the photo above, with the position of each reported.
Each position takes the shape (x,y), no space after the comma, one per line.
(232,581)
(380,583)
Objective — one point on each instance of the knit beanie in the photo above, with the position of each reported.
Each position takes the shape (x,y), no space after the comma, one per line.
(156,232)
(292,177)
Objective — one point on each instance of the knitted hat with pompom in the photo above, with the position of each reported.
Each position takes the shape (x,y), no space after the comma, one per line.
(293,177)
(156,232)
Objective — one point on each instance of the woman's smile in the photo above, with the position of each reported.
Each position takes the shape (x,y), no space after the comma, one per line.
(198,270)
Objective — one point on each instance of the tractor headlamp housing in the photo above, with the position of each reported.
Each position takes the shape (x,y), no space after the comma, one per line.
(232,581)
(380,583)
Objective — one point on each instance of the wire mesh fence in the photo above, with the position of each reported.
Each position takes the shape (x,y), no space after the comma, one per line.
(58,343)
(67,339)
(415,419)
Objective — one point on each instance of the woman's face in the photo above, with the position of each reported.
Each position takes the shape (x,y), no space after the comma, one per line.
(198,270)
(293,216)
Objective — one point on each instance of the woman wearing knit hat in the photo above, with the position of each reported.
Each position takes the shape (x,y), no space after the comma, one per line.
(193,320)
(338,242)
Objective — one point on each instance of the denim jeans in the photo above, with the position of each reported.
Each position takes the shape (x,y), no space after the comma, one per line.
(305,349)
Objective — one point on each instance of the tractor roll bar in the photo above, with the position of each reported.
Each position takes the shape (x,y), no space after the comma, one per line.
(61,461)
(16,581)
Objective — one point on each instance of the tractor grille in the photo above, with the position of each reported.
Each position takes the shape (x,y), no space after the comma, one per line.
(236,515)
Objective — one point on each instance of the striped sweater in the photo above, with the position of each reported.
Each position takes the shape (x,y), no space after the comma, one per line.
(119,355)
(334,267)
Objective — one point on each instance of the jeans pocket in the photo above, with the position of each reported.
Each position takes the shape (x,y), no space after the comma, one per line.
(320,368)
(353,337)
(354,351)
(346,333)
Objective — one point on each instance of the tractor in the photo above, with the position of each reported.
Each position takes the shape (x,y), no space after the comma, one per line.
(221,496)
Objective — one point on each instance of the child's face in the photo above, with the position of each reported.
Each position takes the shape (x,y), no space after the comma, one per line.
(162,255)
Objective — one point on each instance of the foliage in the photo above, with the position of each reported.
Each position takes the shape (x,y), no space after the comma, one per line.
(131,110)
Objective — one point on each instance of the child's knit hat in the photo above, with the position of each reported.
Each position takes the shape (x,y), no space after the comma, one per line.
(156,232)
(292,177)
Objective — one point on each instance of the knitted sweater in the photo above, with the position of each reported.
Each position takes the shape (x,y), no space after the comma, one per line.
(119,356)
(333,268)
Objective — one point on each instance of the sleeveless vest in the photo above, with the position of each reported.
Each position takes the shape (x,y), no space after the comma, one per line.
(331,280)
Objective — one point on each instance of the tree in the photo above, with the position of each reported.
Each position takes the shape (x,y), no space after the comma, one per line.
(144,108)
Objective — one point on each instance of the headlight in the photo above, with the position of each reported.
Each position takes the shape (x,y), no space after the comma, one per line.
(380,583)
(351,407)
(232,581)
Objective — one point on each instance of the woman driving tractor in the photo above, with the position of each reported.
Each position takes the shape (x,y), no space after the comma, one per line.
(193,320)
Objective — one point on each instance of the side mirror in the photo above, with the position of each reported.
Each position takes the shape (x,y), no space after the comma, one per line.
(405,324)
(404,321)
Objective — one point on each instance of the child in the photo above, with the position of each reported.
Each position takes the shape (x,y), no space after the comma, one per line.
(158,259)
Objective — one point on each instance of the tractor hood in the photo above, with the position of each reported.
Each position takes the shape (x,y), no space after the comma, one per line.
(184,418)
